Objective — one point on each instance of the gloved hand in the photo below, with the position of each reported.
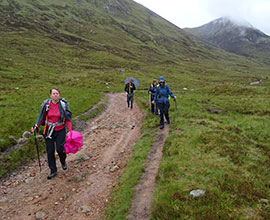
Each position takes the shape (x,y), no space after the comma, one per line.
(34,128)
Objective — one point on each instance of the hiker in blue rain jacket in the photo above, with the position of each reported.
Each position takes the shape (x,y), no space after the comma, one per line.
(162,98)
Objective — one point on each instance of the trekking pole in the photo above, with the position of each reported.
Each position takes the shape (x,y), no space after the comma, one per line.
(177,113)
(37,150)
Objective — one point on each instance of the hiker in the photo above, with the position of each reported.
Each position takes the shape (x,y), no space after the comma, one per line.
(162,99)
(55,115)
(152,92)
(129,88)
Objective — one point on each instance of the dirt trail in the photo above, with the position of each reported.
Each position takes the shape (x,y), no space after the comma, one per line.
(142,201)
(82,191)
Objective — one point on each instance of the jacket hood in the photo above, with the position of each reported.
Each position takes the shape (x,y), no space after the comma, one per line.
(161,79)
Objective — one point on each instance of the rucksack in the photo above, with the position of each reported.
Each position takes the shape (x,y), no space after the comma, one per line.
(166,89)
(63,104)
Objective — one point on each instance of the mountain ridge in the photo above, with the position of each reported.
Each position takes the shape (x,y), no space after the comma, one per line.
(234,37)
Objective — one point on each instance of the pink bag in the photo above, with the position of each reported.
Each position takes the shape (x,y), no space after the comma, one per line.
(74,141)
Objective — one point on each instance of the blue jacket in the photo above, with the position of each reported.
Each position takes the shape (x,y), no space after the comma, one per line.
(162,94)
(152,89)
(63,112)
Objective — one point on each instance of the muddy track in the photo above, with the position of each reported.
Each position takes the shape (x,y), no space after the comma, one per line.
(142,201)
(82,191)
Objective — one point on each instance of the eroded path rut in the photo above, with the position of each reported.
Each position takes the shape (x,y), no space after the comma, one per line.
(142,201)
(82,191)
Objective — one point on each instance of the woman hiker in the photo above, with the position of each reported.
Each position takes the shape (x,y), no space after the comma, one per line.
(162,98)
(129,88)
(55,115)
(152,92)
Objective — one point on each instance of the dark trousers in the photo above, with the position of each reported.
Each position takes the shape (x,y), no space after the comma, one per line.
(154,107)
(130,100)
(58,141)
(164,110)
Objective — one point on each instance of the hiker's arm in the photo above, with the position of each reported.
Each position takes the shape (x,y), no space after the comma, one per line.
(171,94)
(69,125)
(155,97)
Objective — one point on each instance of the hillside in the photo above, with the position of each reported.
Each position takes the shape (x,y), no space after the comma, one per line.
(218,138)
(124,29)
(81,45)
(235,37)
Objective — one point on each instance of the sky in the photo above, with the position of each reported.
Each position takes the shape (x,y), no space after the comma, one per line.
(194,13)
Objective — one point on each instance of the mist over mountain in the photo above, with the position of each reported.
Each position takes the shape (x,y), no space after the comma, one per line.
(234,36)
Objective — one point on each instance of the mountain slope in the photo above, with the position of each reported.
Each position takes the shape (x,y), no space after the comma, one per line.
(236,37)
(123,28)
(81,45)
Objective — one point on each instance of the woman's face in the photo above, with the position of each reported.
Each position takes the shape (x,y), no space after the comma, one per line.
(55,95)
(161,83)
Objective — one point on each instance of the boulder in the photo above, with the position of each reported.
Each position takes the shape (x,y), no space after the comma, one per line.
(84,209)
(26,134)
(22,140)
(197,193)
(40,215)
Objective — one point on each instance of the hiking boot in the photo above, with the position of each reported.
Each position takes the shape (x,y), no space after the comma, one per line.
(161,126)
(168,122)
(51,175)
(64,166)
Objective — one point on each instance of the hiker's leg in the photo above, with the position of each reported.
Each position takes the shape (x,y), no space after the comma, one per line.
(161,108)
(152,105)
(131,101)
(60,141)
(156,108)
(50,148)
(128,100)
(166,112)
(152,108)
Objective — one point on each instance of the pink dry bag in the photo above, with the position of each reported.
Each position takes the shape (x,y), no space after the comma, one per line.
(74,141)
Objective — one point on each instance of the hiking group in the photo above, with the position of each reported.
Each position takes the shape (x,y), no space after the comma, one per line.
(55,115)
(160,100)
(159,93)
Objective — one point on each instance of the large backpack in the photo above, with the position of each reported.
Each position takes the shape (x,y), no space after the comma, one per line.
(63,104)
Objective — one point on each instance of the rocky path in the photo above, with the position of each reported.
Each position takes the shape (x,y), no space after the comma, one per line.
(82,191)
(142,201)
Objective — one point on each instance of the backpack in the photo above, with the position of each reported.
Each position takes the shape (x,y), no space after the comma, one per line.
(166,89)
(47,107)
(63,104)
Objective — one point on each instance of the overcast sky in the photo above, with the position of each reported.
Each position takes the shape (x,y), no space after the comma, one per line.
(194,13)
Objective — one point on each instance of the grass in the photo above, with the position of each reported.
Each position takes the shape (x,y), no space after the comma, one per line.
(224,154)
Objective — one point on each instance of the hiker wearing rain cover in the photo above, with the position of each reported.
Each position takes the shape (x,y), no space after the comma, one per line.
(162,98)
(55,115)
(129,88)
